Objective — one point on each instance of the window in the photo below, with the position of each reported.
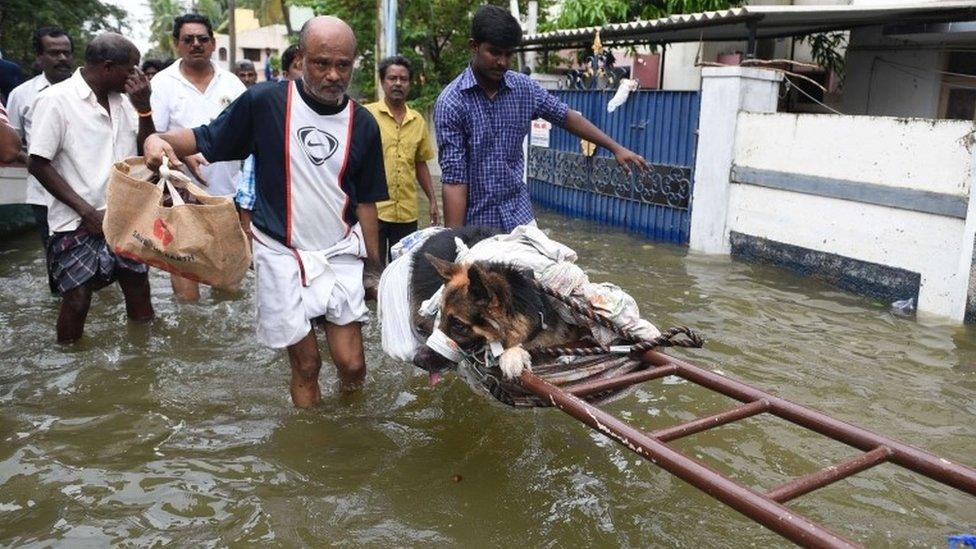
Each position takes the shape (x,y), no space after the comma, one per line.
(960,103)
(958,98)
(252,54)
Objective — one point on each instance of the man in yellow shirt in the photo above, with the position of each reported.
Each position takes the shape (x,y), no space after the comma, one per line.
(406,150)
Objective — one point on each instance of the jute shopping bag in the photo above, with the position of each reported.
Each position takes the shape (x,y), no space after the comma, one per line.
(202,242)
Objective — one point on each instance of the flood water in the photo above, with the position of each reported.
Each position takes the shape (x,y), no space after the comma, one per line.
(181,432)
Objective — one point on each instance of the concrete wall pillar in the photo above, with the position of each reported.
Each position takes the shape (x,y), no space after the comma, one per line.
(725,91)
(964,282)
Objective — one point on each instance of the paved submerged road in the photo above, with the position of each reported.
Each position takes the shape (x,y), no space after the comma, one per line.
(182,431)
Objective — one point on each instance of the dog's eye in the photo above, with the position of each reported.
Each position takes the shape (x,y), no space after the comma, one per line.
(458,326)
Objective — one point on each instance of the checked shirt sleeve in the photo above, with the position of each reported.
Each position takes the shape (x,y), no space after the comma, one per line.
(547,106)
(452,154)
(245,186)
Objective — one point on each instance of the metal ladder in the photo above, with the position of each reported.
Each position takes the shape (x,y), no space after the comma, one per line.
(765,508)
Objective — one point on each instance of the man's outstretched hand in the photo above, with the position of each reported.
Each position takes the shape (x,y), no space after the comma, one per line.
(631,160)
(154,149)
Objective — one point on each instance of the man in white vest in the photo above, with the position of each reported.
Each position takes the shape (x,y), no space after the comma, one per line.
(319,172)
(191,92)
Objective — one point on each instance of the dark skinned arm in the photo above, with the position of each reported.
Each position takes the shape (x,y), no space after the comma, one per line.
(423,177)
(455,197)
(369,222)
(175,144)
(52,181)
(138,90)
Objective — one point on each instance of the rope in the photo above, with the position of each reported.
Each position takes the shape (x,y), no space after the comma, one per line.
(666,339)
(792,84)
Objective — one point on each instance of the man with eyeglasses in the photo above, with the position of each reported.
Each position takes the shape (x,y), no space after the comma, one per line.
(189,93)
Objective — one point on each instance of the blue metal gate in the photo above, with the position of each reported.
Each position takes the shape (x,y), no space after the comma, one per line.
(659,125)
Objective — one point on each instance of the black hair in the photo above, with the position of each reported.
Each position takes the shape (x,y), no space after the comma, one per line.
(395,60)
(244,65)
(288,57)
(496,26)
(50,32)
(110,47)
(190,18)
(157,64)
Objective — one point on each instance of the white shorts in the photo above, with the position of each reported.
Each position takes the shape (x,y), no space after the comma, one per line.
(286,306)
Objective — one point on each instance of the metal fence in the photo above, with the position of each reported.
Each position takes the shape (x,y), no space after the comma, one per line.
(659,125)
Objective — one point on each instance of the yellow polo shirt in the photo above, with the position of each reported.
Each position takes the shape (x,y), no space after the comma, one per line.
(404,145)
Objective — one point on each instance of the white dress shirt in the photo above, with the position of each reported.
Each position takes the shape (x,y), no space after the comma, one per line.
(82,141)
(19,111)
(177,103)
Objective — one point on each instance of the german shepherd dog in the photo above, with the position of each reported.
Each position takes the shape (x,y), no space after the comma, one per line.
(482,303)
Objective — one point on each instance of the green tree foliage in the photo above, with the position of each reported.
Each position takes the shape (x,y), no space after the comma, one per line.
(214,10)
(434,36)
(268,12)
(361,15)
(826,47)
(161,27)
(82,19)
(664,8)
(591,13)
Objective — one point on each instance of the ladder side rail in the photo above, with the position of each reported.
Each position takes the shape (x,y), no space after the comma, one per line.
(922,462)
(752,504)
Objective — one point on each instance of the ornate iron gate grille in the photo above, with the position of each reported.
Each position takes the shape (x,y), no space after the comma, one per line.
(661,126)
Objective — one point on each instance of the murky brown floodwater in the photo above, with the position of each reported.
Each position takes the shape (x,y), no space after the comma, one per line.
(182,432)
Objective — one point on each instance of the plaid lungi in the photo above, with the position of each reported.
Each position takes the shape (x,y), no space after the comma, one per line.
(79,257)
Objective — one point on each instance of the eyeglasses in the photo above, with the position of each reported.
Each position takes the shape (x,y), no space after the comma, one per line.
(190,38)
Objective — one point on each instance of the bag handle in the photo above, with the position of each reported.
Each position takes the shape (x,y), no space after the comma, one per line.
(166,176)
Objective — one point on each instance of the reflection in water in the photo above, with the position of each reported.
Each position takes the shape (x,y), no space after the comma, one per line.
(182,431)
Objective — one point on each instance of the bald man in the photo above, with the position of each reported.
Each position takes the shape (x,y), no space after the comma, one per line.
(319,173)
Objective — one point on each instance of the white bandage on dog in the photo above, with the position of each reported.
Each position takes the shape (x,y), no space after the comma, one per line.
(444,346)
(496,348)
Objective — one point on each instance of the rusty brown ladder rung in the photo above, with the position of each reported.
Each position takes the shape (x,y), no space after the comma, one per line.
(626,380)
(767,509)
(829,475)
(705,423)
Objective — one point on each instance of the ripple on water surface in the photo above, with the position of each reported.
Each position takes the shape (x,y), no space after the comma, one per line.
(181,431)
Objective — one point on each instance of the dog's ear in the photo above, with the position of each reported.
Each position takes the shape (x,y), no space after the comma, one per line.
(446,269)
(479,285)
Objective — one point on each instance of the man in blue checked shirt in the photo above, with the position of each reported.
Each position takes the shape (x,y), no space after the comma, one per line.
(481,119)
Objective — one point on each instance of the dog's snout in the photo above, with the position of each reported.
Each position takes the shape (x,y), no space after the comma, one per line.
(429,360)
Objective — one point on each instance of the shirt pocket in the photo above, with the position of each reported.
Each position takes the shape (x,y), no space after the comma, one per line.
(177,112)
(86,135)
